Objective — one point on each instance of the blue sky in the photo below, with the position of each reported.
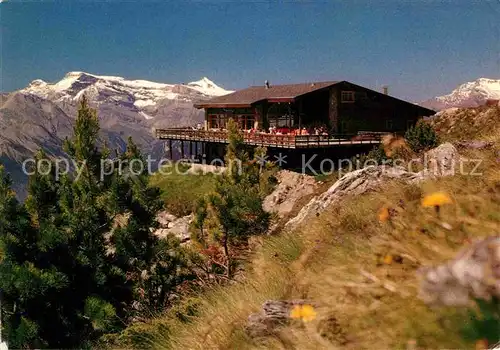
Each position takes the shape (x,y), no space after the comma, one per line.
(418,48)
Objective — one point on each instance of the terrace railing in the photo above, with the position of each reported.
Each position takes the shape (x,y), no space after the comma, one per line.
(272,140)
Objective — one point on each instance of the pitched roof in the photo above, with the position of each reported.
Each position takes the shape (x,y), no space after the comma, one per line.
(253,94)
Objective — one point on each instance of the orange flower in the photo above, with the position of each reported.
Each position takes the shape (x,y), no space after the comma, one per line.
(481,344)
(436,199)
(388,259)
(384,214)
(304,312)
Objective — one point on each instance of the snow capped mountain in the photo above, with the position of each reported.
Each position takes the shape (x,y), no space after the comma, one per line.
(471,94)
(140,93)
(42,114)
(208,87)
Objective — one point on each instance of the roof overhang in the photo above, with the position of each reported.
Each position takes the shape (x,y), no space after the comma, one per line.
(221,105)
(243,105)
(280,99)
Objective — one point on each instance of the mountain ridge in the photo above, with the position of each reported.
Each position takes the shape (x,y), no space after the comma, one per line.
(470,94)
(42,114)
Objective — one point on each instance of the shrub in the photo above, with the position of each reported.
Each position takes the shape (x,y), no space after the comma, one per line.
(484,321)
(421,137)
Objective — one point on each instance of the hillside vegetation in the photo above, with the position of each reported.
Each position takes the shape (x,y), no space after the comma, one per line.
(356,264)
(181,189)
(468,123)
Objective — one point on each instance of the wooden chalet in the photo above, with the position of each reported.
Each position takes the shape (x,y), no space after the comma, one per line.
(307,115)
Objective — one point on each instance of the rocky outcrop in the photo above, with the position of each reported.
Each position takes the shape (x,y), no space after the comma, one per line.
(172,225)
(291,187)
(353,183)
(274,313)
(440,161)
(474,144)
(473,273)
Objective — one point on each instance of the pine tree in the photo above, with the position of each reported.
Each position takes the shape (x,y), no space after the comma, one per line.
(421,137)
(236,204)
(153,267)
(31,283)
(79,255)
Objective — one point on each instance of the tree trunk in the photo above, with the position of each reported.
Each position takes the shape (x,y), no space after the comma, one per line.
(226,253)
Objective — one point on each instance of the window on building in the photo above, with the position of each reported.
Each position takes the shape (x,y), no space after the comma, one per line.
(216,121)
(281,121)
(245,122)
(212,121)
(388,124)
(347,97)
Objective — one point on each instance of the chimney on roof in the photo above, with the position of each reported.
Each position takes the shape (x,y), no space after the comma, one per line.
(267,84)
(385,89)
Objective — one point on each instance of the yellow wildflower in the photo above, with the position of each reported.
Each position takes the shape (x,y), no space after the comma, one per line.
(304,312)
(436,199)
(384,214)
(388,259)
(481,344)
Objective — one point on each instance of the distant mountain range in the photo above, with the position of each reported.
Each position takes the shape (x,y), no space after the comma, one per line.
(471,94)
(42,114)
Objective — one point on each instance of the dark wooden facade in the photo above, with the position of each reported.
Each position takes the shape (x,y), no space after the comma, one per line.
(335,119)
(341,107)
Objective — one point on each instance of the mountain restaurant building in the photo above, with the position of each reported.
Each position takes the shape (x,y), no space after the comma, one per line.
(328,114)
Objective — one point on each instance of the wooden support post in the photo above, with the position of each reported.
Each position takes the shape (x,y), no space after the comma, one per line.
(265,120)
(182,149)
(300,117)
(170,149)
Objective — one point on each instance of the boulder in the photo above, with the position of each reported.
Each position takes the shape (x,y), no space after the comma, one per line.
(439,161)
(164,218)
(442,160)
(291,187)
(354,183)
(274,313)
(474,144)
(172,225)
(473,273)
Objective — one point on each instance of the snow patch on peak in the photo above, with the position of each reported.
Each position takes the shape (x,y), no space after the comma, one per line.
(470,94)
(208,87)
(203,82)
(38,82)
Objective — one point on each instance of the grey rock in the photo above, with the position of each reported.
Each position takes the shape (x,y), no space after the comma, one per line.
(274,313)
(473,273)
(439,161)
(354,183)
(474,144)
(172,225)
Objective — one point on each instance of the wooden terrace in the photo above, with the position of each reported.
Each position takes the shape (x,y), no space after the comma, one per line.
(271,140)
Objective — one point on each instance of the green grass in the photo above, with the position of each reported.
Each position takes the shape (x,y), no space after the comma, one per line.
(180,191)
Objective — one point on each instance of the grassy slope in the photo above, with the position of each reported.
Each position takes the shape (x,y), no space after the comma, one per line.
(327,261)
(323,262)
(469,123)
(180,191)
